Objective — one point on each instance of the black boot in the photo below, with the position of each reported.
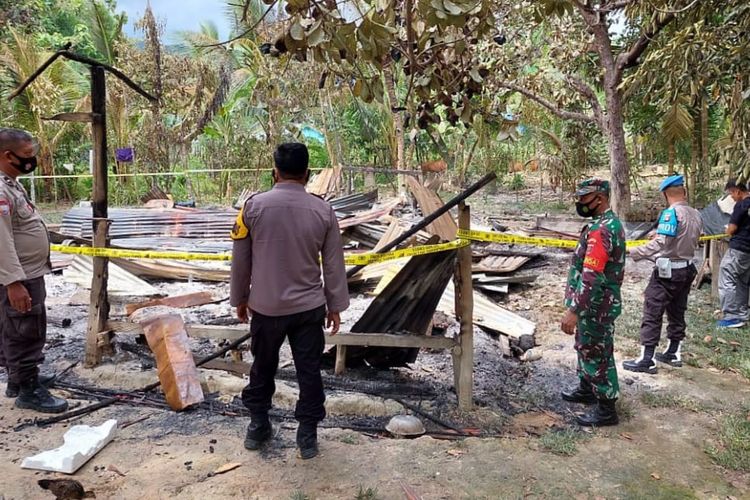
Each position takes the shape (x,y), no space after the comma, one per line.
(258,432)
(307,440)
(12,390)
(604,413)
(583,393)
(644,364)
(672,356)
(34,396)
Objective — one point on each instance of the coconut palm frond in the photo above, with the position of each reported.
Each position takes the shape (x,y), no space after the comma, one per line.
(105,34)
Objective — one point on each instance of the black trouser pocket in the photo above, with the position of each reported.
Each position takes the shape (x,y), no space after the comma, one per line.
(29,325)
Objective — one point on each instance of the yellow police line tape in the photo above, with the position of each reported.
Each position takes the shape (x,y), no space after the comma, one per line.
(350,259)
(492,237)
(465,238)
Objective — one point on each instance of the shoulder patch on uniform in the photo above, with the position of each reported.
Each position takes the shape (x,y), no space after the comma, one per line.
(667,223)
(240,230)
(596,253)
(4,206)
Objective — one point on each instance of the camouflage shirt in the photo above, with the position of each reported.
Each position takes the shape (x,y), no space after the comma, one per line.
(597,270)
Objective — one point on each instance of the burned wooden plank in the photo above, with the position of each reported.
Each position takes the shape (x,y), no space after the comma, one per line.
(489,279)
(499,264)
(428,201)
(179,301)
(178,374)
(234,332)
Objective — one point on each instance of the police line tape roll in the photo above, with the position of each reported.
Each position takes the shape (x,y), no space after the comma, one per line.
(351,259)
(493,237)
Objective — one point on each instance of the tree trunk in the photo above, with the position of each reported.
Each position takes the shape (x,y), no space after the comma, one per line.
(705,168)
(398,126)
(695,155)
(618,154)
(672,153)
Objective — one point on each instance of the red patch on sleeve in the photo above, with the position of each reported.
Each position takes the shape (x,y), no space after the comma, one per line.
(596,254)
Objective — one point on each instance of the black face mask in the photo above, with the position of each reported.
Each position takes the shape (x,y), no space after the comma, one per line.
(24,165)
(585,210)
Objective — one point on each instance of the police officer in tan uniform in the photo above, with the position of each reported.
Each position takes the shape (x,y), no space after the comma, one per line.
(24,246)
(288,273)
(672,250)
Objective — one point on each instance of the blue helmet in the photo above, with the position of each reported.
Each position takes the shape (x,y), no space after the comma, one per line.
(672,181)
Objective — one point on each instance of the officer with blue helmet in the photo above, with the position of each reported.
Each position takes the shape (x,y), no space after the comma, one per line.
(672,250)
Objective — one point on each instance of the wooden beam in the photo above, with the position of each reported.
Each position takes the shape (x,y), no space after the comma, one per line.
(214,332)
(217,332)
(99,305)
(71,117)
(464,357)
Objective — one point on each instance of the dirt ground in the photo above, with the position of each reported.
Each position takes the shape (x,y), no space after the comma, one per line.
(658,451)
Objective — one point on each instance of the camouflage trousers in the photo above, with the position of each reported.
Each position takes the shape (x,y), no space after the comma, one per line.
(596,358)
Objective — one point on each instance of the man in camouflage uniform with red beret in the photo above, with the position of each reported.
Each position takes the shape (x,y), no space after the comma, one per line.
(593,302)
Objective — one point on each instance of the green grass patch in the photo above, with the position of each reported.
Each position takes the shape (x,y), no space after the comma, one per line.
(665,400)
(367,494)
(562,442)
(300,495)
(656,490)
(733,448)
(625,409)
(546,207)
(350,439)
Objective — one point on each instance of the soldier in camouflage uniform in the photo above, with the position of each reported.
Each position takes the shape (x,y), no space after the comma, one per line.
(593,302)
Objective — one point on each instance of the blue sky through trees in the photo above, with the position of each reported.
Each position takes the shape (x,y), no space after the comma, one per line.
(177,15)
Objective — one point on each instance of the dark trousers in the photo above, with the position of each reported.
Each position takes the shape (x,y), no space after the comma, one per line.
(305,332)
(22,335)
(670,296)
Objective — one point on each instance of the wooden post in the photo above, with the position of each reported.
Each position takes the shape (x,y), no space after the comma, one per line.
(340,366)
(716,250)
(463,355)
(99,306)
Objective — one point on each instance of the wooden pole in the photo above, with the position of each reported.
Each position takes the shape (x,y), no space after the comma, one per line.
(717,248)
(463,355)
(99,306)
(340,366)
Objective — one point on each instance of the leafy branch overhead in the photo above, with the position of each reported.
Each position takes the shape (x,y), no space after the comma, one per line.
(434,42)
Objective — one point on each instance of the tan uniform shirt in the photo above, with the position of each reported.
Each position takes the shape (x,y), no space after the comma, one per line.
(291,233)
(24,242)
(680,247)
